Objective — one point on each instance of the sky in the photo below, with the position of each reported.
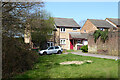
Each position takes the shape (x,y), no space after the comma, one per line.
(81,11)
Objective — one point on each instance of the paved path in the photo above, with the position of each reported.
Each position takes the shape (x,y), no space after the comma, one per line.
(93,55)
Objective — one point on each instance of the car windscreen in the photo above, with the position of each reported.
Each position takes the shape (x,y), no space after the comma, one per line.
(56,47)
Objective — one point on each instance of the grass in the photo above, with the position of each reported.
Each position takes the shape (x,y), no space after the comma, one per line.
(48,67)
(72,50)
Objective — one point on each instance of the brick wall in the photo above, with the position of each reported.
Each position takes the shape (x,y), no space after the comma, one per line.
(110,47)
(88,27)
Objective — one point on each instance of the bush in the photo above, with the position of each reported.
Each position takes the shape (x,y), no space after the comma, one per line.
(16,57)
(84,48)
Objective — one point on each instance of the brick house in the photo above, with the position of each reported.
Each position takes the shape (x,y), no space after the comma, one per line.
(94,24)
(100,47)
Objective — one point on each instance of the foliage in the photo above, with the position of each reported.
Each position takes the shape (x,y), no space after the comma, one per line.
(48,67)
(84,48)
(40,27)
(14,15)
(102,34)
(96,35)
(16,57)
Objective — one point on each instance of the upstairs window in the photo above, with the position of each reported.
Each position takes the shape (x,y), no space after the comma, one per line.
(101,29)
(62,29)
(74,29)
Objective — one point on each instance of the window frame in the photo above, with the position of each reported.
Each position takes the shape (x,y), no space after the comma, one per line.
(50,44)
(75,29)
(62,41)
(102,29)
(61,29)
(79,41)
(84,30)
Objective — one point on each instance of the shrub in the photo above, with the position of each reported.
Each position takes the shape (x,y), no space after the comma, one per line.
(84,48)
(16,57)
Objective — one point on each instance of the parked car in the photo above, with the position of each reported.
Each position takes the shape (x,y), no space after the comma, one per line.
(50,50)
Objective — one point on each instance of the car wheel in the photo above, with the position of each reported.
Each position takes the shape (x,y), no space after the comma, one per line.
(45,53)
(40,54)
(59,52)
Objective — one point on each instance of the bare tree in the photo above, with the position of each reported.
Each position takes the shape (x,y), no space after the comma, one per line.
(82,22)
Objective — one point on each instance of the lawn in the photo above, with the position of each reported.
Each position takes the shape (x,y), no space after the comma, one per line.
(48,67)
(71,51)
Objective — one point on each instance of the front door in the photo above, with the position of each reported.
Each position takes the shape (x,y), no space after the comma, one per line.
(71,44)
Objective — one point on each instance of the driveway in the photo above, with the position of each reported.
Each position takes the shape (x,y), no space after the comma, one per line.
(93,55)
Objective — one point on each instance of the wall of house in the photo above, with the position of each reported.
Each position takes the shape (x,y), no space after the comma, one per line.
(110,47)
(27,35)
(88,26)
(64,35)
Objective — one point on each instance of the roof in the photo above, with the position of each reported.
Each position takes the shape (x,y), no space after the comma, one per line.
(65,22)
(113,20)
(79,35)
(100,23)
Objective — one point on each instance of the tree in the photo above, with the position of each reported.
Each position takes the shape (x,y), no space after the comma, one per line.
(16,55)
(14,16)
(82,22)
(41,24)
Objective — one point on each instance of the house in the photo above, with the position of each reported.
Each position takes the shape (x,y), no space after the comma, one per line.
(64,26)
(94,24)
(113,21)
(66,34)
(27,35)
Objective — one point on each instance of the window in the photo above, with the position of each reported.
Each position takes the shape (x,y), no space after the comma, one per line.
(79,41)
(56,47)
(62,29)
(49,44)
(62,41)
(74,29)
(101,29)
(51,48)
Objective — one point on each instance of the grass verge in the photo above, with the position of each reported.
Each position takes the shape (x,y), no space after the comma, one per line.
(48,67)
